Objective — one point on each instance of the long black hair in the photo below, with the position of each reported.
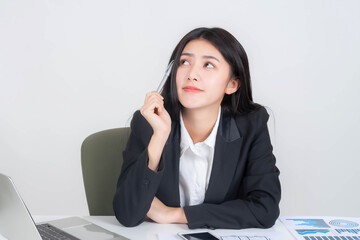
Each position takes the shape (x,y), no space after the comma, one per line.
(240,101)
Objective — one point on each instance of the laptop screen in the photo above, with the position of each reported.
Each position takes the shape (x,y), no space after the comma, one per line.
(15,219)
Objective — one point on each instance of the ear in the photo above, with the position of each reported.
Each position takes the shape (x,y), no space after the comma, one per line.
(232,86)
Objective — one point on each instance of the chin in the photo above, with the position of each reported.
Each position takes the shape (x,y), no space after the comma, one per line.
(190,105)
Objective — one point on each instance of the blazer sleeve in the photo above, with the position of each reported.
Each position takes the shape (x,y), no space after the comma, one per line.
(257,202)
(137,183)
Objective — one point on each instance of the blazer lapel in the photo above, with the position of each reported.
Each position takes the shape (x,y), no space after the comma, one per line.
(171,153)
(226,156)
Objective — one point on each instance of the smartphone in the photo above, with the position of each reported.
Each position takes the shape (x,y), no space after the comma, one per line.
(198,236)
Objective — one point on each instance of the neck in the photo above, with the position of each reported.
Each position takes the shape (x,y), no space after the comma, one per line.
(199,123)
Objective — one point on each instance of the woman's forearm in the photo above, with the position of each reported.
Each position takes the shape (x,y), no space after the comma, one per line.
(155,149)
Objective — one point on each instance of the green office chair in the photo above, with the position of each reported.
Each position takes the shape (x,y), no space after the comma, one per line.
(101,161)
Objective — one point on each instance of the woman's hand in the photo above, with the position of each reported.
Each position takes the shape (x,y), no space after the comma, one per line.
(161,213)
(159,119)
(154,112)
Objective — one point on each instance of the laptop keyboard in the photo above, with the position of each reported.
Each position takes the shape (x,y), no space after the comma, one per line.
(49,232)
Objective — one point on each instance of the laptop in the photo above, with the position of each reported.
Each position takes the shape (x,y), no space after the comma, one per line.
(16,222)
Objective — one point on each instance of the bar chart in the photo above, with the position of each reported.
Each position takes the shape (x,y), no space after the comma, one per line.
(323,228)
(331,238)
(347,230)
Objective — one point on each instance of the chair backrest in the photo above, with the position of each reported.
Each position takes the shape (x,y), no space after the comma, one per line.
(101,161)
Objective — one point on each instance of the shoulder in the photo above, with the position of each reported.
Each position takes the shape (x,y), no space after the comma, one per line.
(258,114)
(252,121)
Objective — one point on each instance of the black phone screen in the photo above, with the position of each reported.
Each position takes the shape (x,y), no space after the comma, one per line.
(199,236)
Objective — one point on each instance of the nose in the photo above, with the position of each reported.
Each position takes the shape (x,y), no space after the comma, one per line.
(192,75)
(192,78)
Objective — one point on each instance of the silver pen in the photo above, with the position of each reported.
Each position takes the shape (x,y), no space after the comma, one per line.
(167,73)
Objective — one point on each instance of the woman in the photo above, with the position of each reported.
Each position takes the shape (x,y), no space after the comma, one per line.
(200,152)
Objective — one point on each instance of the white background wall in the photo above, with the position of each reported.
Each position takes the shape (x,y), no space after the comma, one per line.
(71,68)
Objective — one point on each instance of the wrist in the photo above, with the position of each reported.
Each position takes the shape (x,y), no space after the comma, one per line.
(162,134)
(178,215)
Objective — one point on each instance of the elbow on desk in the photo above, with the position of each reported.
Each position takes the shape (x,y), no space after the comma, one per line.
(268,223)
(269,218)
(124,216)
(126,222)
(265,208)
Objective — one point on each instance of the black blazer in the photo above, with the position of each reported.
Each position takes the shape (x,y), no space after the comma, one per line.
(244,188)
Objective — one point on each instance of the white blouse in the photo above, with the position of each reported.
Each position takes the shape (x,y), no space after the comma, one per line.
(195,165)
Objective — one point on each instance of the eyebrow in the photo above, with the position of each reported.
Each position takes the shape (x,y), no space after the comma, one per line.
(204,56)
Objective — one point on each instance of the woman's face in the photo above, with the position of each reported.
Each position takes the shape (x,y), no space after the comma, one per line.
(203,76)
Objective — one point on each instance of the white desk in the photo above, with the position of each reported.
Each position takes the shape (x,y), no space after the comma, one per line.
(149,230)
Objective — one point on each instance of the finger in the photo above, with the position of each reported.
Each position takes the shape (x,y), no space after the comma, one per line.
(154,97)
(148,96)
(155,107)
(155,102)
(157,94)
(154,94)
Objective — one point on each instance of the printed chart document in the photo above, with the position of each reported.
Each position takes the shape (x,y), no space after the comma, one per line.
(235,236)
(253,236)
(323,228)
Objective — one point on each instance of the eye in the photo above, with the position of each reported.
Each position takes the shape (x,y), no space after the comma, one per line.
(209,65)
(184,62)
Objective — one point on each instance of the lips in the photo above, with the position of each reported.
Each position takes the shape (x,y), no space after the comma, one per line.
(192,89)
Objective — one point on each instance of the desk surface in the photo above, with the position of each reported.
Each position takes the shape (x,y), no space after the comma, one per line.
(149,230)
